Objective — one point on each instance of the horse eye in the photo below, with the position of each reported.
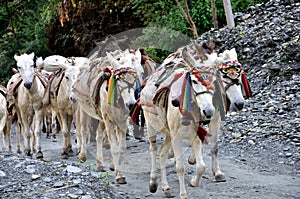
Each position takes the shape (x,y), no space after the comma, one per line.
(195,82)
(67,77)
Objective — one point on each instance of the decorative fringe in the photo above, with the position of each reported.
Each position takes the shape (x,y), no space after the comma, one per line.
(245,86)
(138,90)
(111,94)
(201,132)
(135,111)
(185,97)
(219,99)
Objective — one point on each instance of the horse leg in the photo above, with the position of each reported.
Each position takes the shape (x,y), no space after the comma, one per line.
(6,132)
(214,128)
(99,140)
(18,136)
(54,127)
(69,144)
(47,117)
(165,148)
(77,129)
(82,156)
(3,132)
(115,151)
(26,133)
(200,166)
(120,145)
(153,152)
(177,148)
(64,130)
(38,119)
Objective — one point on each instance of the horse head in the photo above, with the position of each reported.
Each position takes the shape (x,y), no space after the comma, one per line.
(202,76)
(122,82)
(72,67)
(231,70)
(25,66)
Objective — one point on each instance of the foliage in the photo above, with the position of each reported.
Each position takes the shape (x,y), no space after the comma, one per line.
(23,29)
(166,15)
(34,25)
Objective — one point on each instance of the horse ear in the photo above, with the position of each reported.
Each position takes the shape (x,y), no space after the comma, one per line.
(113,61)
(201,51)
(138,55)
(31,55)
(14,70)
(212,45)
(39,63)
(16,57)
(188,58)
(219,60)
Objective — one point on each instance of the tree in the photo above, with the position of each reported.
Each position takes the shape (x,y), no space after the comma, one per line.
(186,13)
(228,13)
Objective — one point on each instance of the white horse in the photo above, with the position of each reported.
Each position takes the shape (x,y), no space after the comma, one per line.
(230,72)
(67,70)
(90,93)
(165,114)
(3,119)
(120,95)
(28,100)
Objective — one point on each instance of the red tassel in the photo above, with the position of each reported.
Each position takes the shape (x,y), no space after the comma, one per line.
(135,111)
(201,132)
(246,87)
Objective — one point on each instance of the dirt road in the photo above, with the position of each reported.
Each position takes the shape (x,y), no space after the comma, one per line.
(243,179)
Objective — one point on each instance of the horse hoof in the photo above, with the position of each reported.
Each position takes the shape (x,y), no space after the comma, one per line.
(170,155)
(19,151)
(39,155)
(28,153)
(153,188)
(54,140)
(220,178)
(64,156)
(101,169)
(112,166)
(48,136)
(168,193)
(194,183)
(121,180)
(191,160)
(81,158)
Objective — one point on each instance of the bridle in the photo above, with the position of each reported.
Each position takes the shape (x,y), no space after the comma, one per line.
(205,76)
(128,75)
(231,70)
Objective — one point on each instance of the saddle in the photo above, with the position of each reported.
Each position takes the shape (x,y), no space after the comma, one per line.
(53,86)
(3,91)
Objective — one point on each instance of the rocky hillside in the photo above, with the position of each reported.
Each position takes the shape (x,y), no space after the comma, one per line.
(266,38)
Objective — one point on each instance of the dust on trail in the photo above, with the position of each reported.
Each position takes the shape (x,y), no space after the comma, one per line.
(243,179)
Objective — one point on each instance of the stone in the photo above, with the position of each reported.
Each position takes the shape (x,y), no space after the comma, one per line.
(73,169)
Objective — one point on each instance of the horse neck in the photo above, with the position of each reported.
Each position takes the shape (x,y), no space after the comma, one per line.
(37,86)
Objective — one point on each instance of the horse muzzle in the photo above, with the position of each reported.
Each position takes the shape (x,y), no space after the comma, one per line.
(28,85)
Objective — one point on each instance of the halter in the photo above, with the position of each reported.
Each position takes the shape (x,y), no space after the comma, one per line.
(125,73)
(232,70)
(205,76)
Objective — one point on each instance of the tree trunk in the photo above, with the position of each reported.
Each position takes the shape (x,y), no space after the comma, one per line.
(228,13)
(185,12)
(214,13)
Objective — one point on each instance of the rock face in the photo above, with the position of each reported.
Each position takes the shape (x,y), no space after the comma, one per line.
(267,41)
